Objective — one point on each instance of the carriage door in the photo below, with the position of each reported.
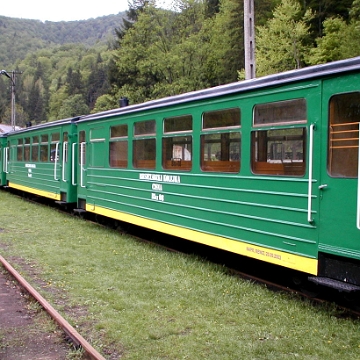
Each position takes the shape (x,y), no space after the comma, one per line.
(339,188)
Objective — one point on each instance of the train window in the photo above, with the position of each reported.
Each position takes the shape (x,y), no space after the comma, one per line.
(221,118)
(118,146)
(19,156)
(343,143)
(44,148)
(278,151)
(19,153)
(119,154)
(55,137)
(144,153)
(280,112)
(220,150)
(66,146)
(177,149)
(177,152)
(145,128)
(118,131)
(35,149)
(144,149)
(82,154)
(178,124)
(27,149)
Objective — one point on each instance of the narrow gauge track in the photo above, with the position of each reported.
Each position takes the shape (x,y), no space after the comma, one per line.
(71,333)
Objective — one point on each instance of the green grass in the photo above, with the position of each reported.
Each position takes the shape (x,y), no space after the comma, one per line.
(146,303)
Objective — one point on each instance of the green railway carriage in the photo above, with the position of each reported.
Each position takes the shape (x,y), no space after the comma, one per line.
(266,168)
(3,153)
(40,160)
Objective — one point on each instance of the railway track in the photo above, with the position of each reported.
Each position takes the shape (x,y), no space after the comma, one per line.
(71,333)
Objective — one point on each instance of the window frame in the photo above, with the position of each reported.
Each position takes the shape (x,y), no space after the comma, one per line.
(114,141)
(220,162)
(176,140)
(144,145)
(290,163)
(343,161)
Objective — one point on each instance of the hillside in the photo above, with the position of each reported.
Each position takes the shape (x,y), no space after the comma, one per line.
(22,36)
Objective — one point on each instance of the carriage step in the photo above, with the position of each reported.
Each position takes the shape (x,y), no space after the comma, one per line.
(79,211)
(335,284)
(62,203)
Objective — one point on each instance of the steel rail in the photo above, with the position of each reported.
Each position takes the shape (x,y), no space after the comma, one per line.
(67,328)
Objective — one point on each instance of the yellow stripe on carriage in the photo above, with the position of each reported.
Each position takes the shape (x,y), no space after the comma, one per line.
(31,190)
(292,261)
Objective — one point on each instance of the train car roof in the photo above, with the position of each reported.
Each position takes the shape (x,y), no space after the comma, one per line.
(274,80)
(44,125)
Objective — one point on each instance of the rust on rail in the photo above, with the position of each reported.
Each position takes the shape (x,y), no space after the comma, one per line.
(67,328)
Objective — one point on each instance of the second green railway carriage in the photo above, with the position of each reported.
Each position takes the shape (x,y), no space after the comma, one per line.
(40,160)
(266,168)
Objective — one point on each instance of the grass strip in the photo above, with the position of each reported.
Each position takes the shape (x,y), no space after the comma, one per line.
(136,301)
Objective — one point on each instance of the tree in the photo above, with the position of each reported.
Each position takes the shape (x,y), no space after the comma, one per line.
(35,108)
(227,42)
(325,9)
(212,7)
(340,40)
(158,56)
(132,14)
(73,106)
(74,82)
(281,43)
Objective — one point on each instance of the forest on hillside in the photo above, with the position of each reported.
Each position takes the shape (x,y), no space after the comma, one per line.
(20,37)
(152,52)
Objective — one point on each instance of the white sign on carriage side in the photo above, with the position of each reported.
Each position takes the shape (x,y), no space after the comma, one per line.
(30,167)
(160,178)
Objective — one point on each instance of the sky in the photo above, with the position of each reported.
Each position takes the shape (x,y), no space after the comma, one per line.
(63,10)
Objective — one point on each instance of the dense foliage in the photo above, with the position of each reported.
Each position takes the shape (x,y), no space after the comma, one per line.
(63,65)
(73,68)
(21,36)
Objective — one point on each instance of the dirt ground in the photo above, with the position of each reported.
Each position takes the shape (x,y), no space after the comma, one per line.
(26,332)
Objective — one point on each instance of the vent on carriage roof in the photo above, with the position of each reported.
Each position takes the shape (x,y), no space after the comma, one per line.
(123,102)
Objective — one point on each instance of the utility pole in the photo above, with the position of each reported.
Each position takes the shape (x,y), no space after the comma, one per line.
(249,39)
(13,83)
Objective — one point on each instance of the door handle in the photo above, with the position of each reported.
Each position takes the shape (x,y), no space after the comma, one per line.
(322,187)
